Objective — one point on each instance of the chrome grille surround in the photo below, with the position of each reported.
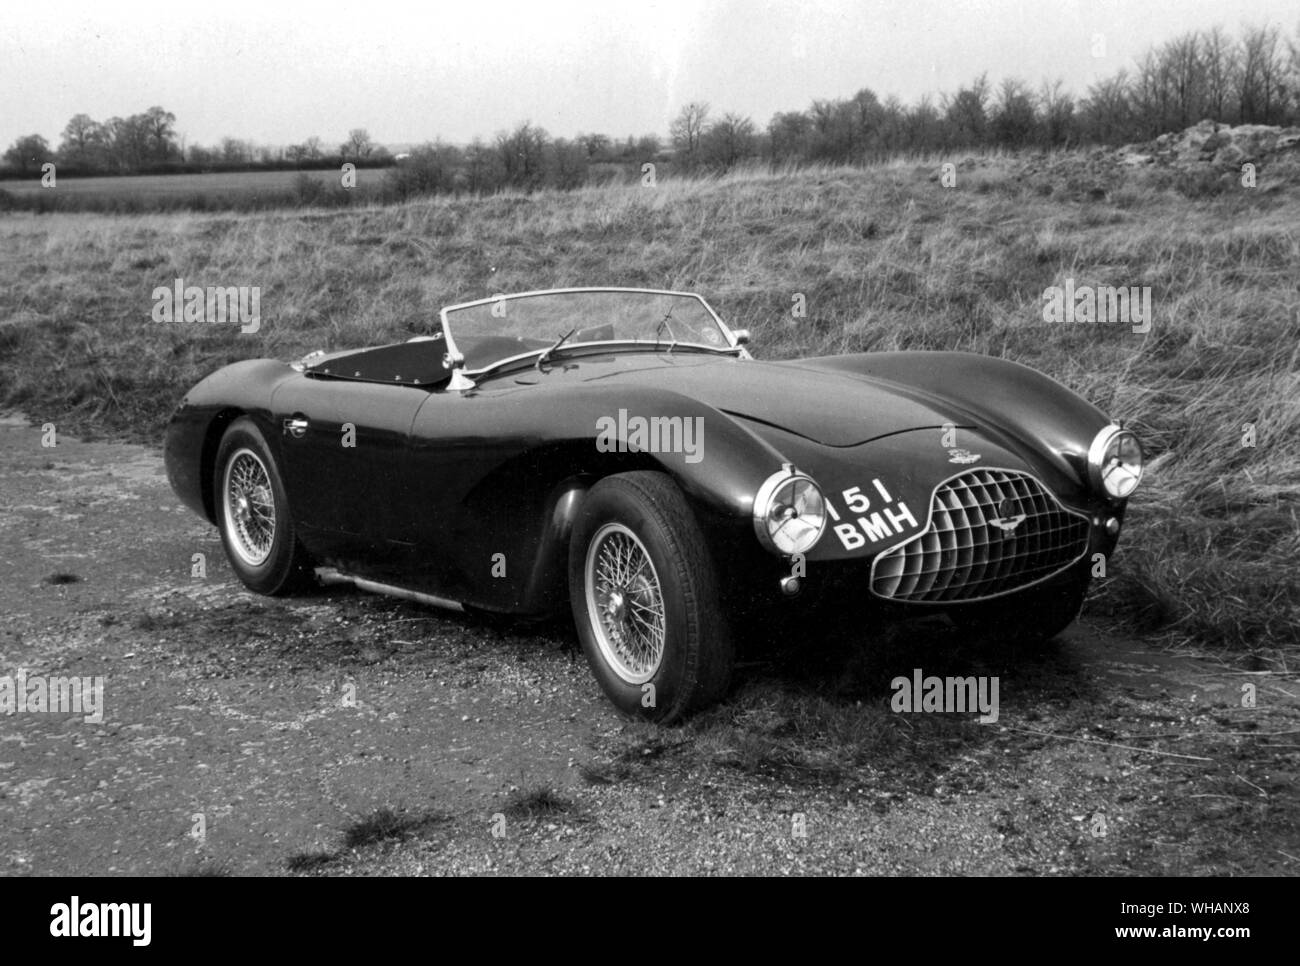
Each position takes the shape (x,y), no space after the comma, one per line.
(962,555)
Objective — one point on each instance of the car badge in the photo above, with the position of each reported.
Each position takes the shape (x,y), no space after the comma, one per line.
(1007,521)
(962,456)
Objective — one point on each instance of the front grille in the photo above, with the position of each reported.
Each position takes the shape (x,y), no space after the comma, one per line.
(964,556)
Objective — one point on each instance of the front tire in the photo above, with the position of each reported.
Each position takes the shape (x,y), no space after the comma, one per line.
(645,599)
(252,510)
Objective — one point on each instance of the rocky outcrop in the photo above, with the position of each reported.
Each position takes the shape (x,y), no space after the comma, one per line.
(1219,145)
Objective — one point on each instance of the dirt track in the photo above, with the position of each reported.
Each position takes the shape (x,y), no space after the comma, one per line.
(236,708)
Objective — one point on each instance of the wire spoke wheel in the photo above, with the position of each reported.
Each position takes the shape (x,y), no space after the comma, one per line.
(645,598)
(625,603)
(248,505)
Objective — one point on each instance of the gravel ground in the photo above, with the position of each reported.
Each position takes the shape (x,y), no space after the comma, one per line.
(343,734)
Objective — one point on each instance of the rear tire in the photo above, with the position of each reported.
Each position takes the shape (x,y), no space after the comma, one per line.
(645,599)
(252,510)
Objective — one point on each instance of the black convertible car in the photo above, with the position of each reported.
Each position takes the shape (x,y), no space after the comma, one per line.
(620,452)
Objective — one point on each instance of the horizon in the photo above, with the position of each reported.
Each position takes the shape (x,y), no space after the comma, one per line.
(624,72)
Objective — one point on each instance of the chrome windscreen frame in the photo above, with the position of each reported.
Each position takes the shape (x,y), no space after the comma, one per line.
(734,345)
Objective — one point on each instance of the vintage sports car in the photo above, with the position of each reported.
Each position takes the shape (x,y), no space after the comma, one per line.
(619,451)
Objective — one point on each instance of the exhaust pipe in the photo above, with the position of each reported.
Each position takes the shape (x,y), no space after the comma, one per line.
(329,576)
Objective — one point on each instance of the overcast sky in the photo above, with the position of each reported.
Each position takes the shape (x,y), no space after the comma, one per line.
(277,73)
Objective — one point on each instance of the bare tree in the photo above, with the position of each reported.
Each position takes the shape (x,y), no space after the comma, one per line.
(482,167)
(596,145)
(647,146)
(728,141)
(128,141)
(159,127)
(865,116)
(687,129)
(202,156)
(1219,71)
(523,155)
(833,137)
(358,144)
(1013,120)
(1056,108)
(1151,95)
(1261,95)
(1293,76)
(235,151)
(893,119)
(1184,66)
(788,134)
(568,163)
(922,125)
(83,142)
(1106,113)
(967,113)
(429,169)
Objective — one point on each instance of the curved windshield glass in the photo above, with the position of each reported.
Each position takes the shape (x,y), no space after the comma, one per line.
(492,330)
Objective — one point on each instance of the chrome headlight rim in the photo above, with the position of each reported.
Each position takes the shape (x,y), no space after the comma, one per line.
(1110,436)
(763,504)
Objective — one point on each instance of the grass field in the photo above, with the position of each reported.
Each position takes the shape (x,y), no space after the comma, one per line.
(886,258)
(222,190)
(179,184)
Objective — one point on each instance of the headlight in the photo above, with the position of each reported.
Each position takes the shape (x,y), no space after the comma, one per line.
(1115,462)
(789,512)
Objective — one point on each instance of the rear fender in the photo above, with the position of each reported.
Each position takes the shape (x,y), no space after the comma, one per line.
(194,433)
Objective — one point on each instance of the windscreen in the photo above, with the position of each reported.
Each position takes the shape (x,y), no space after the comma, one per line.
(491,331)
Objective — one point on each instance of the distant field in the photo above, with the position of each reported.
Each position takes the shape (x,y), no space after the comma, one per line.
(154,185)
(221,191)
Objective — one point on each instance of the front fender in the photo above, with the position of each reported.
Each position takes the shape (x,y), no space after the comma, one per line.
(1018,407)
(557,446)
(718,462)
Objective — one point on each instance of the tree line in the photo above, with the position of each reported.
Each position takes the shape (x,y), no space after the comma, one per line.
(147,143)
(1253,79)
(1250,79)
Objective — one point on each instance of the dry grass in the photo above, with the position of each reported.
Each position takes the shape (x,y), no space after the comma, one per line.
(886,258)
(537,802)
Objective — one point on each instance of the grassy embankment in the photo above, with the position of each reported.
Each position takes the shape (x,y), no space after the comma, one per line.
(886,258)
